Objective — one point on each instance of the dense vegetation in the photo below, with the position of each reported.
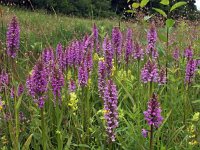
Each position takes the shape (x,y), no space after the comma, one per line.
(103,8)
(71,83)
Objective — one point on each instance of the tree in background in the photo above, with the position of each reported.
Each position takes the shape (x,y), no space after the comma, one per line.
(119,6)
(103,8)
(189,11)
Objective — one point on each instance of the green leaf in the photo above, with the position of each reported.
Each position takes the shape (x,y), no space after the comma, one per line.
(143,3)
(158,133)
(161,51)
(165,120)
(135,5)
(126,90)
(18,103)
(196,101)
(165,2)
(27,143)
(177,5)
(81,145)
(130,11)
(196,86)
(175,134)
(163,147)
(67,146)
(160,11)
(162,37)
(170,23)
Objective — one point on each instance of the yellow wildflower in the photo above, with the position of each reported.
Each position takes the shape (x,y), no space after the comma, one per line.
(4,140)
(89,82)
(69,75)
(191,129)
(113,70)
(58,132)
(105,111)
(31,72)
(101,113)
(192,136)
(196,117)
(101,59)
(121,113)
(2,103)
(96,57)
(73,101)
(122,74)
(193,142)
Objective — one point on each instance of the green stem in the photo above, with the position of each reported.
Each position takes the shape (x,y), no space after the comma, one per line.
(88,114)
(58,117)
(7,111)
(83,109)
(139,93)
(16,109)
(110,145)
(59,138)
(10,123)
(138,70)
(12,136)
(116,61)
(44,143)
(17,125)
(150,89)
(186,107)
(151,138)
(187,103)
(166,65)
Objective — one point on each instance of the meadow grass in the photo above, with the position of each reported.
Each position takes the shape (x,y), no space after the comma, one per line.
(39,29)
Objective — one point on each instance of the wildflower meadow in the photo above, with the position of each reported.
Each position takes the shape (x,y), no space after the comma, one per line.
(134,86)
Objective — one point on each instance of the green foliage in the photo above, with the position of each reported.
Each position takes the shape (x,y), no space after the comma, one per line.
(165,2)
(177,5)
(108,8)
(189,11)
(170,23)
(85,8)
(143,3)
(27,143)
(160,11)
(136,5)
